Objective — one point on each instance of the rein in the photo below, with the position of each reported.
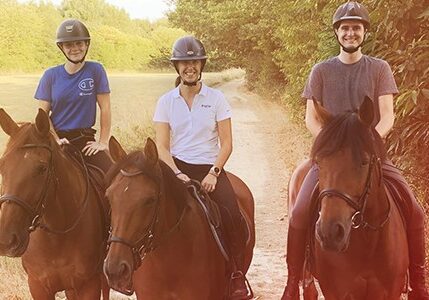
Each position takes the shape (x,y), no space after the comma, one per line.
(146,243)
(36,213)
(358,218)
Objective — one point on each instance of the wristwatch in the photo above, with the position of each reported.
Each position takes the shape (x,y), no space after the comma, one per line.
(215,171)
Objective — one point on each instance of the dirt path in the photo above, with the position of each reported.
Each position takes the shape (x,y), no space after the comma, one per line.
(266,147)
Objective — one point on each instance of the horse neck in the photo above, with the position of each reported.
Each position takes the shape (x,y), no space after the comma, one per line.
(66,193)
(170,212)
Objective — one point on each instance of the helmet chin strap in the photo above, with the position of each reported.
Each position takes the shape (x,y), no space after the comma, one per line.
(187,83)
(74,61)
(351,50)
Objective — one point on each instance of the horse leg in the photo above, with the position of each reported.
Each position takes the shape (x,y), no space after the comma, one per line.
(90,290)
(38,292)
(310,292)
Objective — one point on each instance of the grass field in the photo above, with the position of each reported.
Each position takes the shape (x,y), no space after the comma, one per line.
(133,100)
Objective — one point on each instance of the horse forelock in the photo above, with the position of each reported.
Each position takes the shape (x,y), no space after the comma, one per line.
(347,131)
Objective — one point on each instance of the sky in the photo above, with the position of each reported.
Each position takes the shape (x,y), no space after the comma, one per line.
(136,9)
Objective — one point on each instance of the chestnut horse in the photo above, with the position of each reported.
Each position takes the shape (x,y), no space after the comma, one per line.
(160,243)
(49,214)
(361,250)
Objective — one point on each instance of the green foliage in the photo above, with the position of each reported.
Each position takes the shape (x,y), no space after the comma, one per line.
(277,42)
(28,35)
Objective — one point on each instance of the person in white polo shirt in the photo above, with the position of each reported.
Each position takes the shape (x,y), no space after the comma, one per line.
(193,136)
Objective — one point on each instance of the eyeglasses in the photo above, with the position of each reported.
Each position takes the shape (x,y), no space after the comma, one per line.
(70,45)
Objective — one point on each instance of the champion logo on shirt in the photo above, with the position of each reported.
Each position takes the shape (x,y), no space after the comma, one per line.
(86,84)
(206,105)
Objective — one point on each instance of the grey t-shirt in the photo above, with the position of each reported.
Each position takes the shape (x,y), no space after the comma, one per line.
(342,87)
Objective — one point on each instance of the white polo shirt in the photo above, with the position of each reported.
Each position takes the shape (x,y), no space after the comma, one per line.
(194,137)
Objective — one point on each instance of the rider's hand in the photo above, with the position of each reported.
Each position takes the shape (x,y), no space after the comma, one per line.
(183,177)
(209,183)
(63,141)
(93,147)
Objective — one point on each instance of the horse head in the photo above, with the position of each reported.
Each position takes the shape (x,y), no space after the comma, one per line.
(26,170)
(134,195)
(347,152)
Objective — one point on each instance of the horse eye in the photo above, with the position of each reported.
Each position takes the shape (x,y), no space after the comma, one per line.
(149,201)
(41,169)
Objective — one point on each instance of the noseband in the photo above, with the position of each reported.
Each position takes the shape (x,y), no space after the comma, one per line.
(146,243)
(358,218)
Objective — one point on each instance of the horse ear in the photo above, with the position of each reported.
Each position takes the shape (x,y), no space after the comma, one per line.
(323,115)
(151,151)
(116,150)
(366,111)
(8,125)
(42,122)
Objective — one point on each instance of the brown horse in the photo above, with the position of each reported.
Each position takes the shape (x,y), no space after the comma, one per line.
(49,214)
(161,244)
(361,250)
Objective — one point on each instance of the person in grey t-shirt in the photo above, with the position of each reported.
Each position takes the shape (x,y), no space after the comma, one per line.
(340,84)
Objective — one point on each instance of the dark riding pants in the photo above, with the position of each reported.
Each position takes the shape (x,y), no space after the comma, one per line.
(79,138)
(224,196)
(300,215)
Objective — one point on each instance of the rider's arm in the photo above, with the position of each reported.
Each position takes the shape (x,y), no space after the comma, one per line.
(387,115)
(103,101)
(225,139)
(312,122)
(162,133)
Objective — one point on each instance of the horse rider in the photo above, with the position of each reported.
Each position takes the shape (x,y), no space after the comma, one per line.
(198,120)
(340,84)
(70,93)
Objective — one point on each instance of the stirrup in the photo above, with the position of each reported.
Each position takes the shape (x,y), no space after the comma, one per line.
(238,276)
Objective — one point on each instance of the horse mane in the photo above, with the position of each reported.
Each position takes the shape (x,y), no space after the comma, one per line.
(348,131)
(165,177)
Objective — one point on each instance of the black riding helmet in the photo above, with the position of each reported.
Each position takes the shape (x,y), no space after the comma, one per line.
(72,30)
(351,10)
(188,48)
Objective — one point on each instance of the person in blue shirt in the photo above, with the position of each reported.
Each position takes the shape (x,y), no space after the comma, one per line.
(70,93)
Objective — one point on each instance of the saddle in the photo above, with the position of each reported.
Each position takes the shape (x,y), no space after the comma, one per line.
(212,214)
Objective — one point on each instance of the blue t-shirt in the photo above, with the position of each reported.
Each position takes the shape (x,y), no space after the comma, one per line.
(73,97)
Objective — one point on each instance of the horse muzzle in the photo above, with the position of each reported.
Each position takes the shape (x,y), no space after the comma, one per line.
(333,235)
(119,276)
(13,245)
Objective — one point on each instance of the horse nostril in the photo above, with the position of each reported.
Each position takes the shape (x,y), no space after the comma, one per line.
(124,270)
(339,232)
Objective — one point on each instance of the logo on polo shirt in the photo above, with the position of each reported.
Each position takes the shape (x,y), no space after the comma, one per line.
(206,105)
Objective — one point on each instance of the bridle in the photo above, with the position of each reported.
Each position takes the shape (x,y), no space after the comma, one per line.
(146,243)
(358,218)
(37,212)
